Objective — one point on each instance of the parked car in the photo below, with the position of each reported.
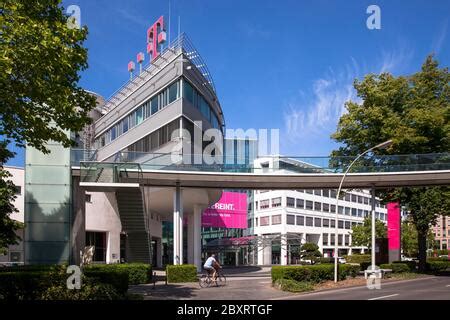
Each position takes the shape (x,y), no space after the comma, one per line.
(403,258)
(342,260)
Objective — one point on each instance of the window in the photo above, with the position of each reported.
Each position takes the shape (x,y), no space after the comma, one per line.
(325,223)
(309,205)
(290,202)
(366,200)
(341,210)
(354,198)
(332,239)
(88,197)
(354,212)
(264,221)
(276,219)
(347,211)
(256,222)
(317,222)
(333,193)
(347,240)
(326,207)
(326,193)
(347,225)
(276,202)
(17,189)
(360,212)
(317,206)
(300,203)
(347,197)
(154,105)
(113,133)
(340,224)
(188,92)
(125,124)
(290,219)
(318,192)
(360,199)
(339,239)
(309,221)
(300,220)
(173,92)
(309,191)
(264,204)
(325,239)
(333,208)
(139,115)
(332,223)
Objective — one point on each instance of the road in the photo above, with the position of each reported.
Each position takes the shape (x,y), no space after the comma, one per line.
(430,288)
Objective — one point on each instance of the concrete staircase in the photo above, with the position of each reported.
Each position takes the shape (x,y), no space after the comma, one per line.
(133,218)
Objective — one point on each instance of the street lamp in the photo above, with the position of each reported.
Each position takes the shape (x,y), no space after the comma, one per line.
(378,146)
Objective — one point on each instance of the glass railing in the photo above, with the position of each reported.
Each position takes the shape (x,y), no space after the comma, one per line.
(126,161)
(108,172)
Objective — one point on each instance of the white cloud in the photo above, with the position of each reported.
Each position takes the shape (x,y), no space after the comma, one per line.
(310,119)
(439,39)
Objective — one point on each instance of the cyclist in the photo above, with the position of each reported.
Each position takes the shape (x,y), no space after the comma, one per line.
(211,265)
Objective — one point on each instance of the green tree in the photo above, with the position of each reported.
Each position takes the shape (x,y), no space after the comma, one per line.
(7,197)
(362,234)
(40,61)
(410,244)
(412,111)
(310,251)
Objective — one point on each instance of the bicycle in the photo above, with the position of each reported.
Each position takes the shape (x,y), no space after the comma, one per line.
(206,279)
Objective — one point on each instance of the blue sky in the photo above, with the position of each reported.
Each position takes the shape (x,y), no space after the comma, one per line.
(276,64)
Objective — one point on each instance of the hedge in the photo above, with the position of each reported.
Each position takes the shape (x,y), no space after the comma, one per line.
(181,273)
(412,265)
(46,282)
(138,273)
(437,259)
(396,267)
(437,266)
(293,286)
(313,273)
(357,258)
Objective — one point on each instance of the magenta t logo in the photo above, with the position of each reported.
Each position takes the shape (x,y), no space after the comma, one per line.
(156,35)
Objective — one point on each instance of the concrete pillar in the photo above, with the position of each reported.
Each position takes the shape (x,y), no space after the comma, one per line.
(260,249)
(177,226)
(190,238)
(283,251)
(197,236)
(78,221)
(236,255)
(159,253)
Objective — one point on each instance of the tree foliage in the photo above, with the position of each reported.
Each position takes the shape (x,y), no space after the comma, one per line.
(40,61)
(412,111)
(8,226)
(310,251)
(409,238)
(362,234)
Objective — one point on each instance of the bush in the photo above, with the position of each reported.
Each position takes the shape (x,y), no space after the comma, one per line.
(412,265)
(313,273)
(438,259)
(350,270)
(90,290)
(358,258)
(396,267)
(46,282)
(118,279)
(138,273)
(325,260)
(364,265)
(293,286)
(181,273)
(437,266)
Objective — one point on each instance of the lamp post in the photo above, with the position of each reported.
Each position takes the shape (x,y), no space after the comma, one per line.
(336,251)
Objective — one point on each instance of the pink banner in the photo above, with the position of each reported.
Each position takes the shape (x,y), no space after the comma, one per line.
(229,212)
(393,211)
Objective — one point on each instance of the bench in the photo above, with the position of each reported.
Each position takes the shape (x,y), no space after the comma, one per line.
(383,272)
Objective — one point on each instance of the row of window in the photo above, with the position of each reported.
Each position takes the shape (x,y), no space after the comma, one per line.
(332,194)
(331,241)
(307,221)
(144,111)
(197,100)
(155,139)
(316,206)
